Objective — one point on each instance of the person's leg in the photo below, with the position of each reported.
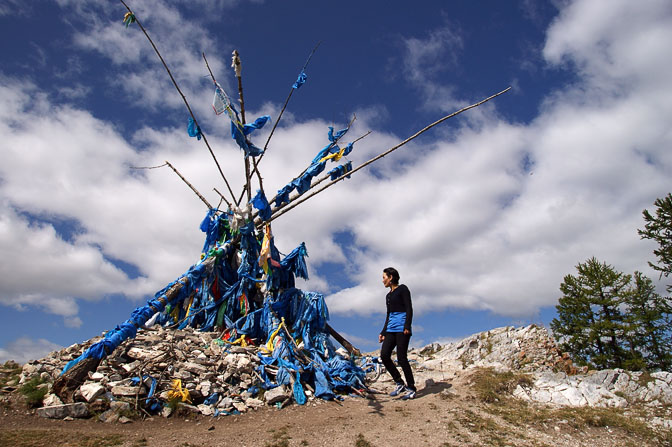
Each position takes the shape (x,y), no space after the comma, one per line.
(389,344)
(402,351)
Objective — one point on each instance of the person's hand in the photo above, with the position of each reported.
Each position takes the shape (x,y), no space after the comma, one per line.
(407,332)
(381,337)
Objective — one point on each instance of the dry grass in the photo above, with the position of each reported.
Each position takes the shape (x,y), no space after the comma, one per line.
(494,390)
(39,438)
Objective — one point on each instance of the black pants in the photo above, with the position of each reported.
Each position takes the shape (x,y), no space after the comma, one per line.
(400,341)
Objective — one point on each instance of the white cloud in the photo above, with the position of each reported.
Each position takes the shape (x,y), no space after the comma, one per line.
(15,8)
(49,175)
(145,81)
(24,349)
(468,227)
(426,58)
(490,218)
(438,52)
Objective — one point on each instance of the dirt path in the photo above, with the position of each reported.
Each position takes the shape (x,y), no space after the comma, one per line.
(445,413)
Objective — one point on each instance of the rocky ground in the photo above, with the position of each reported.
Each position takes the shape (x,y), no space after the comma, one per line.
(508,386)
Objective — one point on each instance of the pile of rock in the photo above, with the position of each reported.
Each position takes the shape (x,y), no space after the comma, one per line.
(555,380)
(529,348)
(606,388)
(192,370)
(197,372)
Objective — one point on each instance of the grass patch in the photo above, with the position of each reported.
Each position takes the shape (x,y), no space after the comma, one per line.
(487,342)
(581,417)
(489,431)
(402,410)
(494,387)
(644,379)
(34,391)
(280,438)
(464,360)
(39,438)
(362,442)
(9,374)
(430,350)
(521,414)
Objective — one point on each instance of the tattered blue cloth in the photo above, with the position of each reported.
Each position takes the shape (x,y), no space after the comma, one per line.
(210,226)
(261,203)
(283,194)
(335,137)
(295,261)
(225,295)
(339,170)
(193,130)
(240,136)
(302,184)
(300,80)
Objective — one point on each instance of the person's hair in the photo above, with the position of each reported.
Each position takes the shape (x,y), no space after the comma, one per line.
(393,273)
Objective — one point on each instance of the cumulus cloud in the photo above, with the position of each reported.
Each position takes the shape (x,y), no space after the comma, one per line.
(25,349)
(490,218)
(495,219)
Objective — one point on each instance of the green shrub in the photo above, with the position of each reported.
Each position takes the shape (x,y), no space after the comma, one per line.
(34,391)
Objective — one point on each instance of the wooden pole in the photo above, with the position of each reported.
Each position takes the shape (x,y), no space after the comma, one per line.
(378,157)
(256,162)
(184,98)
(238,68)
(284,106)
(345,343)
(317,182)
(189,185)
(354,117)
(222,197)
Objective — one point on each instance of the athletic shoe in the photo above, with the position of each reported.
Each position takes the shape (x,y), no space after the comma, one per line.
(409,395)
(398,390)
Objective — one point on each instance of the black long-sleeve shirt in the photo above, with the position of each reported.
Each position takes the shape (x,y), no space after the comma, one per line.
(399,300)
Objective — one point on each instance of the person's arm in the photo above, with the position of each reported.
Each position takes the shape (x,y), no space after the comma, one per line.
(408,307)
(387,320)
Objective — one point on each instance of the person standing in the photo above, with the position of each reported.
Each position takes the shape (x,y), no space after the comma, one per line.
(397,333)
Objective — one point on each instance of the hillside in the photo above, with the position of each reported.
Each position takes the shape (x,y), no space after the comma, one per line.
(507,386)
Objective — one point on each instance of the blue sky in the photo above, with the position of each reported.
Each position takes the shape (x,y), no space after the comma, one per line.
(483,215)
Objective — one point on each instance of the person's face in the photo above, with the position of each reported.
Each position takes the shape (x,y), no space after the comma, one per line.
(387,280)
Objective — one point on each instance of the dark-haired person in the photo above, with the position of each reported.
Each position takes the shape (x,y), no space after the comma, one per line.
(397,333)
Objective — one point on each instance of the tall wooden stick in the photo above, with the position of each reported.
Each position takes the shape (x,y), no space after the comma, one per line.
(238,68)
(317,182)
(189,185)
(257,161)
(184,98)
(291,92)
(222,197)
(333,182)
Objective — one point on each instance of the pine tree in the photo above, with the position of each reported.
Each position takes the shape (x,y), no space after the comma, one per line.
(590,325)
(648,319)
(659,229)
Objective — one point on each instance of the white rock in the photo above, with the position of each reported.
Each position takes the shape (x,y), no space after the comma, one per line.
(195,368)
(253,402)
(50,400)
(140,354)
(276,394)
(97,376)
(76,410)
(243,362)
(128,390)
(206,410)
(91,390)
